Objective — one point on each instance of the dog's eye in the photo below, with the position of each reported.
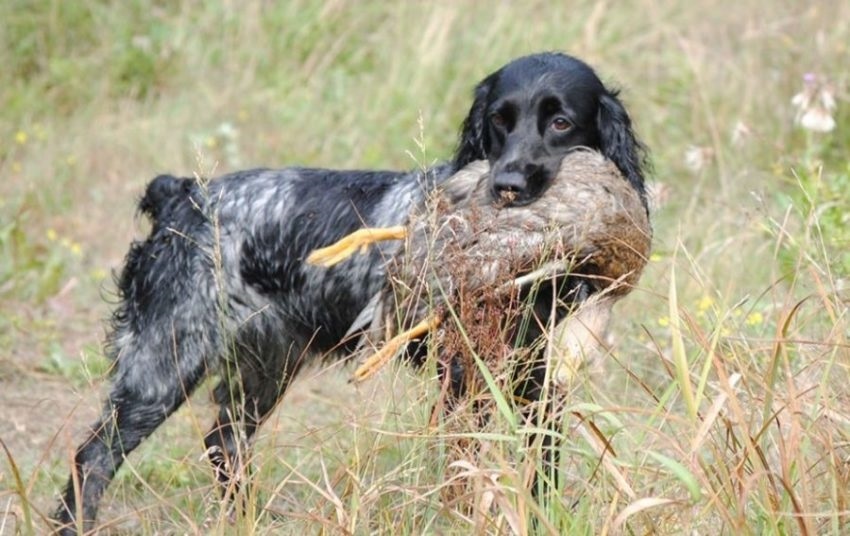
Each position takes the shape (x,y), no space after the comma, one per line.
(497,120)
(560,124)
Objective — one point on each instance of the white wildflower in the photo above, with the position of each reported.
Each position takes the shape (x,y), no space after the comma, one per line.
(815,104)
(817,119)
(696,158)
(227,131)
(740,133)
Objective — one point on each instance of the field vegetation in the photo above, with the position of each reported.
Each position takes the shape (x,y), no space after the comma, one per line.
(723,405)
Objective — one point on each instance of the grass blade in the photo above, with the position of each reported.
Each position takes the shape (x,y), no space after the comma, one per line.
(680,358)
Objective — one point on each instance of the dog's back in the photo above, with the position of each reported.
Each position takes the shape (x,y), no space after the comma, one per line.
(233,249)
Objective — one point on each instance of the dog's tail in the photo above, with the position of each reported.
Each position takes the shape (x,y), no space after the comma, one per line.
(155,266)
(162,193)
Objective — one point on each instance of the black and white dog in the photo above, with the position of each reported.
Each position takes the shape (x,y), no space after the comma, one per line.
(220,284)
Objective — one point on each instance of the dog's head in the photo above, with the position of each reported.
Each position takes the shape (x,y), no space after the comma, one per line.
(527,115)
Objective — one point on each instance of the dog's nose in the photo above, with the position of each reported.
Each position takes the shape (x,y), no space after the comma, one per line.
(509,185)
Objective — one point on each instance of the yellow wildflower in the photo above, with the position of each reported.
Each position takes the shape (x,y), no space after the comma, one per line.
(21,137)
(51,235)
(754,319)
(664,321)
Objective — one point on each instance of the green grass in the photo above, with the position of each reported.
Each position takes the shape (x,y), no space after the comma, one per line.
(724,399)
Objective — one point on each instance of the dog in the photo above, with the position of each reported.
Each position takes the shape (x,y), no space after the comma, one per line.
(220,283)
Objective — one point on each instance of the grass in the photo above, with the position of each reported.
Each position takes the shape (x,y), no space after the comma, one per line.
(722,407)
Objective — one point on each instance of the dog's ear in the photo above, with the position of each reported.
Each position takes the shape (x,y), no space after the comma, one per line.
(472,143)
(619,144)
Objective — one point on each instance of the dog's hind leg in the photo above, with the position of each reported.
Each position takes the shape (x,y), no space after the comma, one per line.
(251,385)
(153,377)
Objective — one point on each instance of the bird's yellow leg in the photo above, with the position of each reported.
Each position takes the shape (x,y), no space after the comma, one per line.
(350,244)
(374,363)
